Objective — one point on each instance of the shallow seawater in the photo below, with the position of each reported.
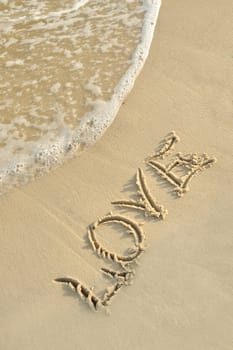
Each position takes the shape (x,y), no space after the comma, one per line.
(65,69)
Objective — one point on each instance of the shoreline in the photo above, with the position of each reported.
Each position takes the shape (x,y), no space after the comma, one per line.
(181,296)
(45,156)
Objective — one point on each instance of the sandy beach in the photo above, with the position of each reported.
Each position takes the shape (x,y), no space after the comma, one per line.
(181,296)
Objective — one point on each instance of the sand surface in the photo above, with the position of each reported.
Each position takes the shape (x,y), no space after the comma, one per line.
(181,297)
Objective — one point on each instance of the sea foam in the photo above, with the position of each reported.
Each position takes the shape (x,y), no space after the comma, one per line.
(66,68)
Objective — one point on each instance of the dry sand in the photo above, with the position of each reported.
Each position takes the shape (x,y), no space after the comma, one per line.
(182,295)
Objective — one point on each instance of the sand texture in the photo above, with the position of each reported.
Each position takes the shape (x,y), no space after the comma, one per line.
(126,223)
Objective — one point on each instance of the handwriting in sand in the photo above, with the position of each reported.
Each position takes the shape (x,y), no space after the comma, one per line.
(192,164)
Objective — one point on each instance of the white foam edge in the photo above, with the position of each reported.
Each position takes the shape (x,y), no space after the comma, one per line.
(105,115)
(48,155)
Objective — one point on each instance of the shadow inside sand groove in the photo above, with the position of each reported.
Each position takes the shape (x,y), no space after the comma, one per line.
(162,183)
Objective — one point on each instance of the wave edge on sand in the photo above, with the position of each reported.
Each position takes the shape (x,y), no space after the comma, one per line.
(46,155)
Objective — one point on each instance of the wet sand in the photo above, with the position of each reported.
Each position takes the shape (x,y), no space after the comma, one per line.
(181,296)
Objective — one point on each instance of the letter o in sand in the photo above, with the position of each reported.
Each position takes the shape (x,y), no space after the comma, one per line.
(132,227)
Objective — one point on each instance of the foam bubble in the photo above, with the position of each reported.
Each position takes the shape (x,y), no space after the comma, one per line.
(67,67)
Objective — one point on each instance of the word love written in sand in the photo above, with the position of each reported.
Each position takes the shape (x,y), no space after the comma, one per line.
(191,164)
